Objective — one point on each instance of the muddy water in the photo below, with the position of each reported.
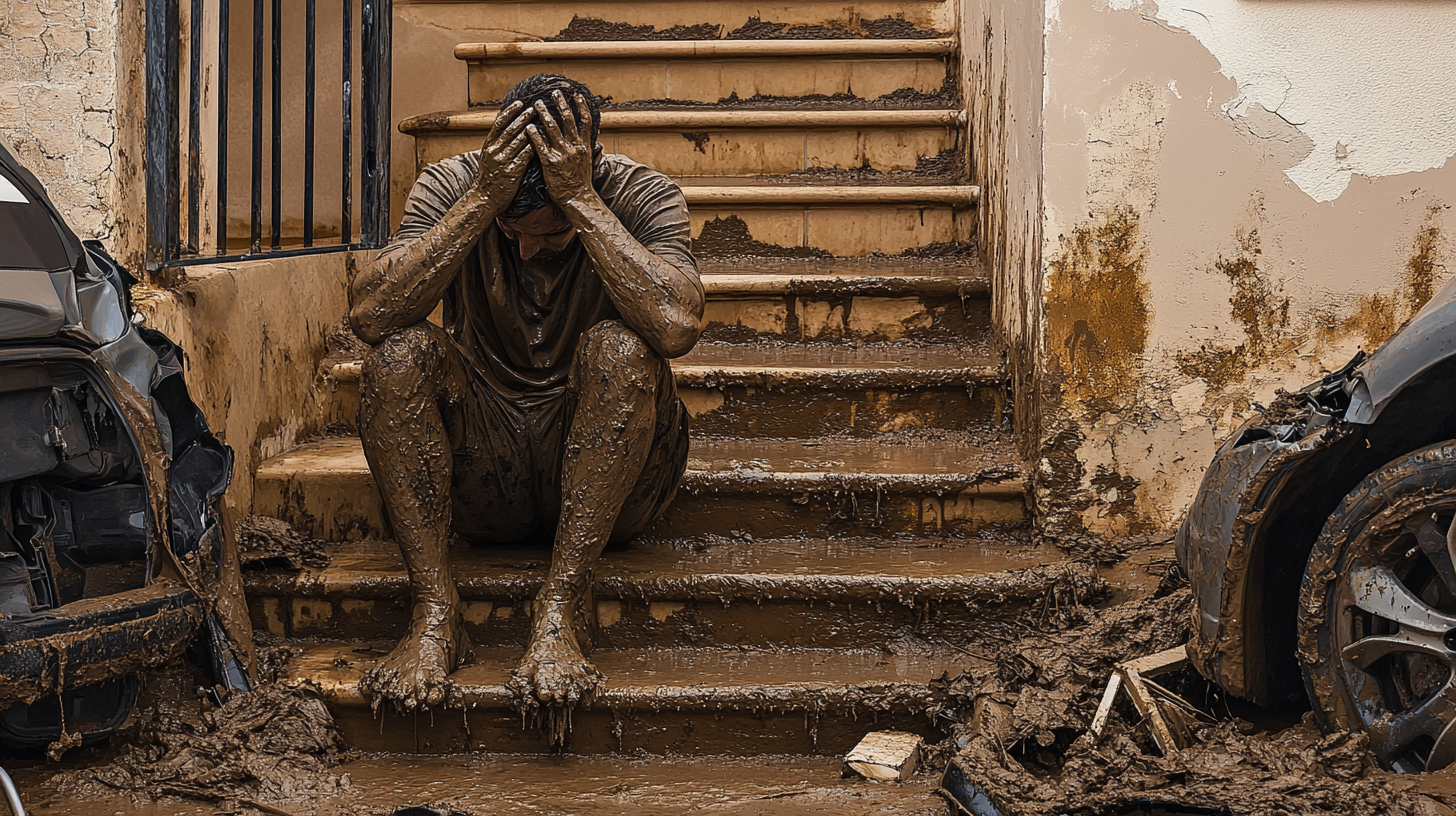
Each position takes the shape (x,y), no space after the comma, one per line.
(519,784)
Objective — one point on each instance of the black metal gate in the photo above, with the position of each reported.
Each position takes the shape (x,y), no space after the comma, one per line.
(175,171)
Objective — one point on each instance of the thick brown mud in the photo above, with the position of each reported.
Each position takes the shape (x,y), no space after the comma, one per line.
(272,745)
(266,542)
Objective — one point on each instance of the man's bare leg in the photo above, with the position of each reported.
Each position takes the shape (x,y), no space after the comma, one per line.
(404,380)
(615,376)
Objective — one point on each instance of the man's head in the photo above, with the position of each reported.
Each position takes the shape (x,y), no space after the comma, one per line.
(532,219)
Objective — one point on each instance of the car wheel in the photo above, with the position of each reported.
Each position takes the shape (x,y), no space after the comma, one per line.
(1377,613)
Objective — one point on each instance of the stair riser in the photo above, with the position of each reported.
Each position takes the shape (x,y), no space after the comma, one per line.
(712,80)
(632,623)
(599,730)
(850,231)
(867,318)
(738,152)
(346,507)
(531,20)
(785,412)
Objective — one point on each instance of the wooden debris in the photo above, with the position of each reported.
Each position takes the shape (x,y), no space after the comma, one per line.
(884,756)
(1150,698)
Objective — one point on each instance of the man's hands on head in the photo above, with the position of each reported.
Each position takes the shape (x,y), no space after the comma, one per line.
(565,150)
(504,156)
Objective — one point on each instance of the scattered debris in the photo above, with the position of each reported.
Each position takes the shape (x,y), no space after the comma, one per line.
(272,744)
(269,543)
(885,756)
(1171,728)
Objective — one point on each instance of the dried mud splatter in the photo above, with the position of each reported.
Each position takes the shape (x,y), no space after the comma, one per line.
(266,543)
(1258,306)
(1097,309)
(729,238)
(594,29)
(274,744)
(1378,316)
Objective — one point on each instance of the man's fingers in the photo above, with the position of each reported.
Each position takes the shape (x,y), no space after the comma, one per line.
(549,122)
(505,117)
(568,117)
(583,128)
(543,152)
(516,125)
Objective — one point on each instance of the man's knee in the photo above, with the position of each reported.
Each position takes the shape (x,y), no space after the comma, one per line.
(402,362)
(612,349)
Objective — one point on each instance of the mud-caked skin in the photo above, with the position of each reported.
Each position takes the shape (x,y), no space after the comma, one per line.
(545,408)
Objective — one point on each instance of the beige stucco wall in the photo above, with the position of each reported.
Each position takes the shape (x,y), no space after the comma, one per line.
(63,91)
(1238,196)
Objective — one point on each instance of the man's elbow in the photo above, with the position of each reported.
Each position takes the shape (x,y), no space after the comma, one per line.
(680,338)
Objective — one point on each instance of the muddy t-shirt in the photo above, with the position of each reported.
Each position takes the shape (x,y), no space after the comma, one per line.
(517,322)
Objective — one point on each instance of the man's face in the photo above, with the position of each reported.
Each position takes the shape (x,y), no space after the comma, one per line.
(542,232)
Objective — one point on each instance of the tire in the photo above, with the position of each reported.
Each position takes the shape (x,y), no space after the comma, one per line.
(1377,613)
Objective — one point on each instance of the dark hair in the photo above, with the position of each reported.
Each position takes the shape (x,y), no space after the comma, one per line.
(532,194)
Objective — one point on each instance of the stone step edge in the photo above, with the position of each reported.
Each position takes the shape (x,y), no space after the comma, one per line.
(481,121)
(701,49)
(714,376)
(342,690)
(999,481)
(726,285)
(952,195)
(1006,587)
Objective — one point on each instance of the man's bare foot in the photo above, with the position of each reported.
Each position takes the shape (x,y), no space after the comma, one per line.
(417,673)
(555,671)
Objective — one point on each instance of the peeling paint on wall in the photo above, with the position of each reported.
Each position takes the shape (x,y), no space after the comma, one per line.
(1368,83)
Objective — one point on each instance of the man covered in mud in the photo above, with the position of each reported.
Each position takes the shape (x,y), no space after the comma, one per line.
(545,409)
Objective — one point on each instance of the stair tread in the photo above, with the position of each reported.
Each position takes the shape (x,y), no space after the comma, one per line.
(703,49)
(986,571)
(647,117)
(955,266)
(963,461)
(926,362)
(686,677)
(504,784)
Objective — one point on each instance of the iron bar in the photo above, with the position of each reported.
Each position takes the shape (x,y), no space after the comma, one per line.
(194,124)
(161,127)
(256,238)
(376,20)
(224,24)
(277,123)
(309,78)
(280,253)
(346,228)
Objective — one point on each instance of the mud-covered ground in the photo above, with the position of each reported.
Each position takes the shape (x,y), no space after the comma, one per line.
(1024,707)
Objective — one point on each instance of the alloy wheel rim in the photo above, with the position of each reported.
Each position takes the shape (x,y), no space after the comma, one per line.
(1393,640)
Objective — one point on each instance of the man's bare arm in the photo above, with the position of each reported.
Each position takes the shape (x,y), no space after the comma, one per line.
(661,302)
(403,284)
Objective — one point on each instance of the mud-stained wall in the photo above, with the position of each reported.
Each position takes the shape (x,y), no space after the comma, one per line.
(1238,197)
(68,106)
(999,42)
(254,334)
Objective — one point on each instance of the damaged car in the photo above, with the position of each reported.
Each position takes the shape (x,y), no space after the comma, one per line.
(109,476)
(1322,553)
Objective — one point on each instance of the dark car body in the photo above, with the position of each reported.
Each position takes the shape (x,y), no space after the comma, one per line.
(108,482)
(1272,485)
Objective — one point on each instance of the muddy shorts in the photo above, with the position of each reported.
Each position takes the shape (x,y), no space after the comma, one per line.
(506,480)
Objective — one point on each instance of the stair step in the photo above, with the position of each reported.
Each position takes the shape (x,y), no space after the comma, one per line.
(715,591)
(862,299)
(658,701)
(714,70)
(606,785)
(733,142)
(804,390)
(760,487)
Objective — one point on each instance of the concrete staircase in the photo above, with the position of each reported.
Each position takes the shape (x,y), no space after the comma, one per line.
(854,517)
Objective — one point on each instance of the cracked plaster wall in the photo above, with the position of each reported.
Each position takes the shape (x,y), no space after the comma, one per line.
(58,102)
(1238,196)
